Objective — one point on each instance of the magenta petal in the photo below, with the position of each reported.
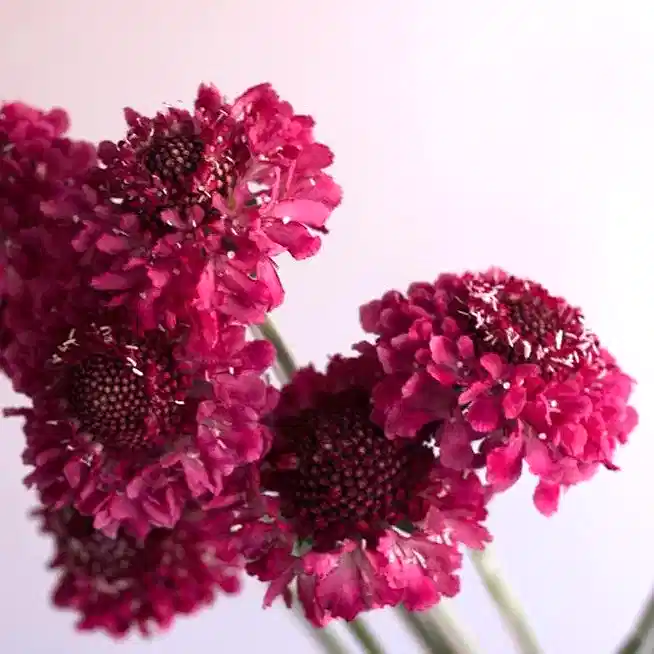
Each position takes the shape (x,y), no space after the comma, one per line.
(112,281)
(538,458)
(504,464)
(483,415)
(111,244)
(442,374)
(546,498)
(441,350)
(493,365)
(514,402)
(574,437)
(455,450)
(308,212)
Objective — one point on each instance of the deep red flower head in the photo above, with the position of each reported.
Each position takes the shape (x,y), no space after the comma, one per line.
(360,520)
(506,366)
(130,426)
(121,584)
(212,194)
(41,197)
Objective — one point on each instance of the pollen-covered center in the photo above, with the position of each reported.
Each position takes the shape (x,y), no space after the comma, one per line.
(522,321)
(339,476)
(119,405)
(174,157)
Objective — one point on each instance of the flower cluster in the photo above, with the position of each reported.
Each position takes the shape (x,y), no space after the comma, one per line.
(130,274)
(508,372)
(165,461)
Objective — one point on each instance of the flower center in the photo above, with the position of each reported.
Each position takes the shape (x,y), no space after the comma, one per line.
(108,398)
(120,405)
(106,559)
(523,322)
(174,157)
(338,475)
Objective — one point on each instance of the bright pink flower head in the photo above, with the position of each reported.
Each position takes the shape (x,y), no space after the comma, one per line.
(506,366)
(120,584)
(130,426)
(212,194)
(360,520)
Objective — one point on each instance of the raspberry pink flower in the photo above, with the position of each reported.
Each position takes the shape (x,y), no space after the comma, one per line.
(124,583)
(130,426)
(40,194)
(358,519)
(509,369)
(211,194)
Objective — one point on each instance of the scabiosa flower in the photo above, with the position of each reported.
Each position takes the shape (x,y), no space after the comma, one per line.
(358,519)
(509,368)
(212,194)
(41,173)
(125,583)
(129,427)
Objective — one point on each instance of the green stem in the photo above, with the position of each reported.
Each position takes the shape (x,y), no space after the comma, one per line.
(366,638)
(642,632)
(437,631)
(285,361)
(506,601)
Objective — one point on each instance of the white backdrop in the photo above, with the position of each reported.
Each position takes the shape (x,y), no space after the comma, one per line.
(513,132)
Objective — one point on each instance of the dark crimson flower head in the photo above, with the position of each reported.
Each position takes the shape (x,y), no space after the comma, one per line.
(211,194)
(358,519)
(41,199)
(124,583)
(508,368)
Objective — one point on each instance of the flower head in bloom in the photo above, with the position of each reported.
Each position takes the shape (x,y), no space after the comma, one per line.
(509,368)
(358,519)
(124,583)
(41,173)
(211,194)
(130,426)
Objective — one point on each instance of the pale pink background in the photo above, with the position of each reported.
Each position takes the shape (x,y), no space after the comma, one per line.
(511,132)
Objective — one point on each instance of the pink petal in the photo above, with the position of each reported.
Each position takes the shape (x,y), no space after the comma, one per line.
(466,347)
(455,450)
(73,472)
(546,498)
(442,374)
(514,402)
(111,282)
(493,365)
(538,458)
(483,415)
(111,244)
(504,464)
(308,212)
(574,437)
(442,351)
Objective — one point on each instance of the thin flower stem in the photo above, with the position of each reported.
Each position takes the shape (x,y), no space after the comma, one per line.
(285,361)
(366,638)
(506,601)
(437,631)
(643,632)
(327,641)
